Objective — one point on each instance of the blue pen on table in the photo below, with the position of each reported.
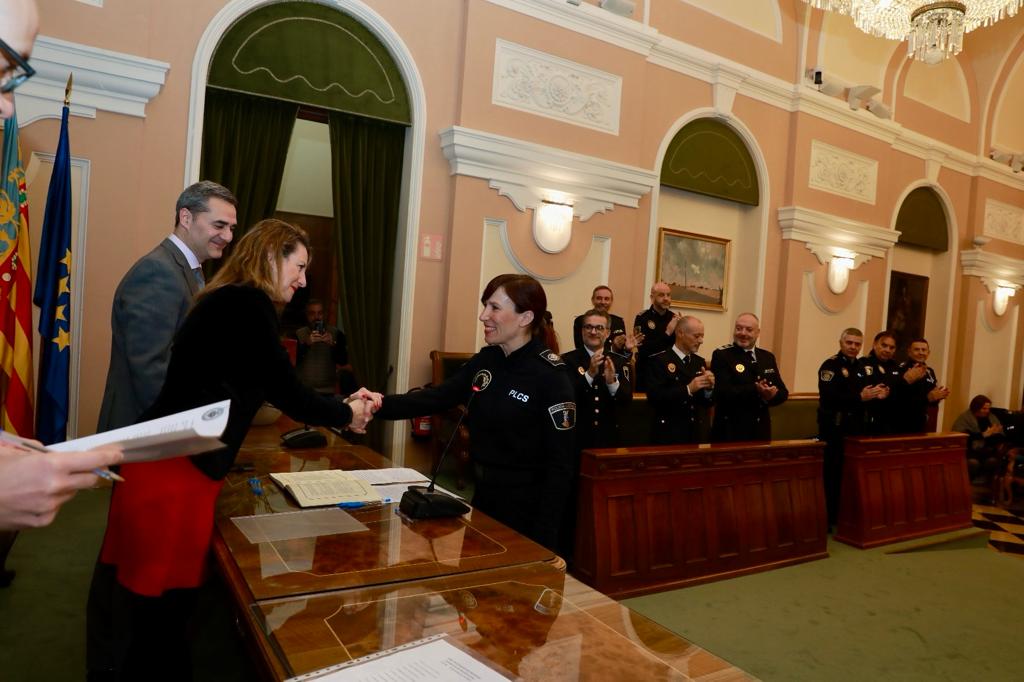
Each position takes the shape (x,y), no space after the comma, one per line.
(257,487)
(18,440)
(359,505)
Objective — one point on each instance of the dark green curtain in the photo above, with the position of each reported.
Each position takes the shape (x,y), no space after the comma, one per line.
(366,165)
(245,143)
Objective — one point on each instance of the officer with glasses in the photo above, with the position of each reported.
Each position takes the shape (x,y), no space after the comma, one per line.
(19,23)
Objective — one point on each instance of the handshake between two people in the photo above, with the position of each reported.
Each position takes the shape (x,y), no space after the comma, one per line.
(363,403)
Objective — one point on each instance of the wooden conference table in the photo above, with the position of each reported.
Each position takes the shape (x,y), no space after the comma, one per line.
(312,602)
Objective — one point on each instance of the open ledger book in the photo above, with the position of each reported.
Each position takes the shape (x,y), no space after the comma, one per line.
(186,433)
(330,486)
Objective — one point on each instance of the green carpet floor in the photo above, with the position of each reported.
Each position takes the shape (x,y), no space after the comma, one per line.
(944,612)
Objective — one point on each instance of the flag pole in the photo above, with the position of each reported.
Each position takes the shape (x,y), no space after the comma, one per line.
(67,90)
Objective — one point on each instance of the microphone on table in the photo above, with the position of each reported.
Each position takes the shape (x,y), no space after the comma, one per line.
(422,502)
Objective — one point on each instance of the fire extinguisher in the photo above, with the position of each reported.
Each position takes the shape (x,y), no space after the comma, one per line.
(422,427)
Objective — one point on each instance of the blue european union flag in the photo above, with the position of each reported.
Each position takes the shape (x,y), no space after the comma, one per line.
(53,296)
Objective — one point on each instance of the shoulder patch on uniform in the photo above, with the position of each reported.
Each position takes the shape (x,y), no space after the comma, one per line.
(826,375)
(563,415)
(551,357)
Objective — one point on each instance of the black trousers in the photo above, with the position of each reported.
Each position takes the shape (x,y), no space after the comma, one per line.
(133,637)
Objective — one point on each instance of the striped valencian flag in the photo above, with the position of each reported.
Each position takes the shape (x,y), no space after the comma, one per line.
(15,291)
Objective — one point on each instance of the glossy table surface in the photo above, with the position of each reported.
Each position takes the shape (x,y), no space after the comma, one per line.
(392,548)
(531,622)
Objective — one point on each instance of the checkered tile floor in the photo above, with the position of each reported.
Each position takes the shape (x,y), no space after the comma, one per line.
(1005,526)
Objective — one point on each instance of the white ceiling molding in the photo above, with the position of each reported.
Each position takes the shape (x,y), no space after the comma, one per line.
(794,97)
(993,269)
(104,81)
(589,20)
(828,236)
(528,173)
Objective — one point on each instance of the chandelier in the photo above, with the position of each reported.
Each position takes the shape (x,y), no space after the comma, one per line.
(933,30)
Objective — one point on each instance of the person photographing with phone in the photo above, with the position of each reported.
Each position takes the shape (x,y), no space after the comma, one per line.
(321,351)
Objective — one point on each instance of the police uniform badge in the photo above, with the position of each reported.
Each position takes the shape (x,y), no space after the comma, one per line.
(563,415)
(869,370)
(672,367)
(482,379)
(846,373)
(826,375)
(650,324)
(582,371)
(740,367)
(625,372)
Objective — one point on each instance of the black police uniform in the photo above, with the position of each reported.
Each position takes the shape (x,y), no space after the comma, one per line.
(740,414)
(596,423)
(912,402)
(618,328)
(652,325)
(879,413)
(522,433)
(678,416)
(840,414)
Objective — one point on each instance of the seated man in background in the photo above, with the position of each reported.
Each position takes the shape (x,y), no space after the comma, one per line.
(321,351)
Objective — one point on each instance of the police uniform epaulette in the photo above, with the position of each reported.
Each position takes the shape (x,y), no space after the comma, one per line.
(551,357)
(725,346)
(660,352)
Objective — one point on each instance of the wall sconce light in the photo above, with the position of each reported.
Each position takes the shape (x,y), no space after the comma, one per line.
(552,226)
(839,273)
(1001,299)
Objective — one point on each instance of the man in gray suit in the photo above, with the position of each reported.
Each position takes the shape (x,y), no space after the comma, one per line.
(153,298)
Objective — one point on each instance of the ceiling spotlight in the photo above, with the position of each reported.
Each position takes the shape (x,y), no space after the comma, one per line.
(1000,156)
(878,109)
(859,94)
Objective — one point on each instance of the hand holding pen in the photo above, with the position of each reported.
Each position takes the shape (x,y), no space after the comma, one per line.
(33,485)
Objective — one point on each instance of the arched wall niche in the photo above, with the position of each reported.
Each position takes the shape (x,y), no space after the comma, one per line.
(412,179)
(718,218)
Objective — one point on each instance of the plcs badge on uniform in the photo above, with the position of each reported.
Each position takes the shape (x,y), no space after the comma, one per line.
(826,375)
(563,415)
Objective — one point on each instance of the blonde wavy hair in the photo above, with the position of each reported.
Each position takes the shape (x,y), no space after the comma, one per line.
(257,257)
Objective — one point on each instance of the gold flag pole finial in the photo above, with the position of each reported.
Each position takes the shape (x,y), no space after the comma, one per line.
(67,90)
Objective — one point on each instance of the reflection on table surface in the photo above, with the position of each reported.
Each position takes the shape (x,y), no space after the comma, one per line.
(391,548)
(532,621)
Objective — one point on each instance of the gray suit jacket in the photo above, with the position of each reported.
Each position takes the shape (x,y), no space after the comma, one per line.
(150,304)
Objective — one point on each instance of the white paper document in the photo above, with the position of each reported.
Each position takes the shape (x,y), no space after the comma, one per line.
(186,433)
(437,659)
(389,476)
(321,488)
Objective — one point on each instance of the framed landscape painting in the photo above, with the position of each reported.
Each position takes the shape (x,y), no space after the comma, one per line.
(695,267)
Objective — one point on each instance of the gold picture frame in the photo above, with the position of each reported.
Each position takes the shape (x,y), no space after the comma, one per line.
(695,267)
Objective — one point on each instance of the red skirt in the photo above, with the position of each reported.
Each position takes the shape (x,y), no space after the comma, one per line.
(160,526)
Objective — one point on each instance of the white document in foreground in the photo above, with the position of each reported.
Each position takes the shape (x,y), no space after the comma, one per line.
(437,659)
(321,488)
(185,433)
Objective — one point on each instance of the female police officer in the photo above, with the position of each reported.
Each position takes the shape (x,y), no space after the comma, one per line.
(520,411)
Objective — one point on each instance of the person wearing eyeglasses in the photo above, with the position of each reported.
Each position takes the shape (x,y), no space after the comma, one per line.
(601,380)
(19,23)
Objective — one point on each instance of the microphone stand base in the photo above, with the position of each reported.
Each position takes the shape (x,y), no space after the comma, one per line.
(420,503)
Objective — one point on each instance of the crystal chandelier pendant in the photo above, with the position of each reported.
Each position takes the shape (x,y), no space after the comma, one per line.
(933,30)
(936,31)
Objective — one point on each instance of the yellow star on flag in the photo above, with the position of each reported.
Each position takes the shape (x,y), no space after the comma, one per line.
(66,260)
(63,288)
(58,314)
(63,339)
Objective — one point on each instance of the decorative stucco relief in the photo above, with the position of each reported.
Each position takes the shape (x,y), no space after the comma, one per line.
(542,84)
(838,171)
(1004,221)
